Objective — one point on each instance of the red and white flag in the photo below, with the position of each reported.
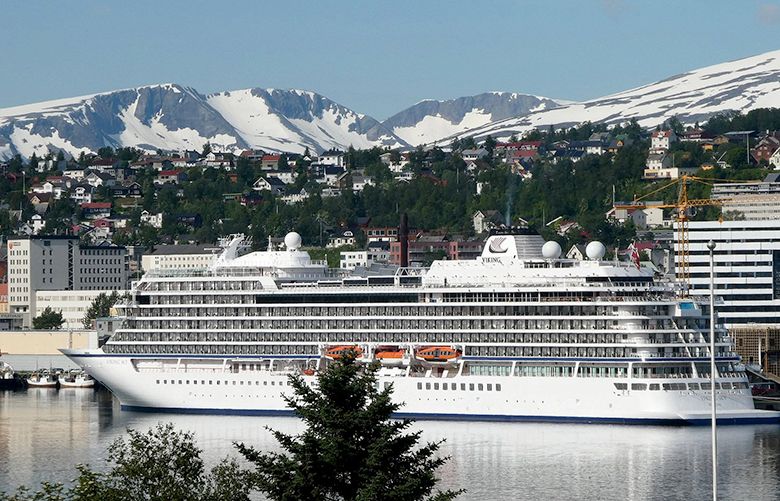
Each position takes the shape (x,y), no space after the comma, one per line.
(633,254)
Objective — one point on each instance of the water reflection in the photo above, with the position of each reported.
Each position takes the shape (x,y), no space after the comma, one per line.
(43,433)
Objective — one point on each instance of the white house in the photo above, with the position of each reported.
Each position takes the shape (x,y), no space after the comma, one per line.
(774,160)
(153,220)
(352,259)
(343,239)
(332,157)
(81,193)
(296,198)
(36,223)
(662,139)
(270,183)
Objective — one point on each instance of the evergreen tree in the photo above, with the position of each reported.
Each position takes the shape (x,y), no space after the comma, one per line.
(100,307)
(351,448)
(206,149)
(48,319)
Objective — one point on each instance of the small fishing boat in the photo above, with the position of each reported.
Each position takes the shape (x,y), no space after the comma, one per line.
(42,379)
(337,352)
(438,354)
(76,378)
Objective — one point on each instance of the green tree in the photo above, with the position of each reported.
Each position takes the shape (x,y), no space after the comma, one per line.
(351,448)
(48,319)
(160,465)
(100,307)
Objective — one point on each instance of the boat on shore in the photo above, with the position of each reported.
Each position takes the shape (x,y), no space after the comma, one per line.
(8,378)
(76,378)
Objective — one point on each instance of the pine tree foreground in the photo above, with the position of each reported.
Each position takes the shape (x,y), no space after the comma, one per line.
(351,448)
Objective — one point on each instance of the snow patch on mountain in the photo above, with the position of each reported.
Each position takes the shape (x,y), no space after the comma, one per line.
(741,85)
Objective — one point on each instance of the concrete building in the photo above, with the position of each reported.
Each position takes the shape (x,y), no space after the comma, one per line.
(186,256)
(72,304)
(750,200)
(59,263)
(747,269)
(363,259)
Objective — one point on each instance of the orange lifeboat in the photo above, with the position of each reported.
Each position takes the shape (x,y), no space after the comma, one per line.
(438,354)
(337,352)
(308,372)
(390,355)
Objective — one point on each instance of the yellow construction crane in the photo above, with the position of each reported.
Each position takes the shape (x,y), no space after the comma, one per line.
(681,214)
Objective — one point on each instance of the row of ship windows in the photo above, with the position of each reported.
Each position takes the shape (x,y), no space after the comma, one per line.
(407,310)
(217,382)
(409,336)
(463,386)
(416,324)
(681,386)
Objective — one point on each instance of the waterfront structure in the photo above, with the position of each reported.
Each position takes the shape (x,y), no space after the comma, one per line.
(179,257)
(516,334)
(60,263)
(73,304)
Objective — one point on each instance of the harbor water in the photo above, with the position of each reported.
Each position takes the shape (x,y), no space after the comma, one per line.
(45,432)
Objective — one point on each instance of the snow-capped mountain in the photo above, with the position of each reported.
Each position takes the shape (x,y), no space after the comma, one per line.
(429,121)
(291,120)
(740,85)
(173,117)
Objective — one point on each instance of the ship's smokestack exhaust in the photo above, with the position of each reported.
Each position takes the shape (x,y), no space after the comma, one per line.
(403,237)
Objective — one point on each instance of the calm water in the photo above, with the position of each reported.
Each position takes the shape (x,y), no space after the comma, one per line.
(43,433)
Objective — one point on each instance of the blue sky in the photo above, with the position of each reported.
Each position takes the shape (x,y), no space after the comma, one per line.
(374,57)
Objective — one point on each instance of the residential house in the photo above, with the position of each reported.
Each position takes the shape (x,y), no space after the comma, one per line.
(696,136)
(344,238)
(332,157)
(81,193)
(173,176)
(128,189)
(36,224)
(659,165)
(286,174)
(485,220)
(295,198)
(774,160)
(96,210)
(220,160)
(577,251)
(75,172)
(395,161)
(97,179)
(270,161)
(253,155)
(662,139)
(99,164)
(765,148)
(40,201)
(354,180)
(473,154)
(270,183)
(54,186)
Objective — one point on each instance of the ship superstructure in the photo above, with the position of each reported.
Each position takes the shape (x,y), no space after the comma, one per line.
(517,334)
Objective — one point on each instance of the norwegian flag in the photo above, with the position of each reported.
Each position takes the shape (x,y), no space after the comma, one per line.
(633,254)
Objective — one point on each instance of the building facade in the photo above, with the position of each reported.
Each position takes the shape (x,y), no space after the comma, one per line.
(168,257)
(59,263)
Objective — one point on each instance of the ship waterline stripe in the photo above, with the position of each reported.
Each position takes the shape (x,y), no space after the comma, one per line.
(771,419)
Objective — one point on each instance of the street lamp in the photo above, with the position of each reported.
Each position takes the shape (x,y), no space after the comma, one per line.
(711,247)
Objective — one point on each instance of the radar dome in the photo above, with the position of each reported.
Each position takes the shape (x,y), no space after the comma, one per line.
(595,250)
(292,241)
(551,250)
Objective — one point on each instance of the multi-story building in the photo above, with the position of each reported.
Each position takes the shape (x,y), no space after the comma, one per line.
(185,256)
(72,304)
(363,259)
(750,200)
(59,263)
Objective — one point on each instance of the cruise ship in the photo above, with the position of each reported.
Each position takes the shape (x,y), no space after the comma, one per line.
(517,334)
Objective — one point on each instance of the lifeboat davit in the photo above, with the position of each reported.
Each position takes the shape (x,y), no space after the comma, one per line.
(337,352)
(390,355)
(438,354)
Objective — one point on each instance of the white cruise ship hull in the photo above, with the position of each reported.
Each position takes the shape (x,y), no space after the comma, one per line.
(495,398)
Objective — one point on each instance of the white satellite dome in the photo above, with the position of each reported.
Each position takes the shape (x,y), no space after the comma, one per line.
(595,250)
(551,250)
(292,241)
